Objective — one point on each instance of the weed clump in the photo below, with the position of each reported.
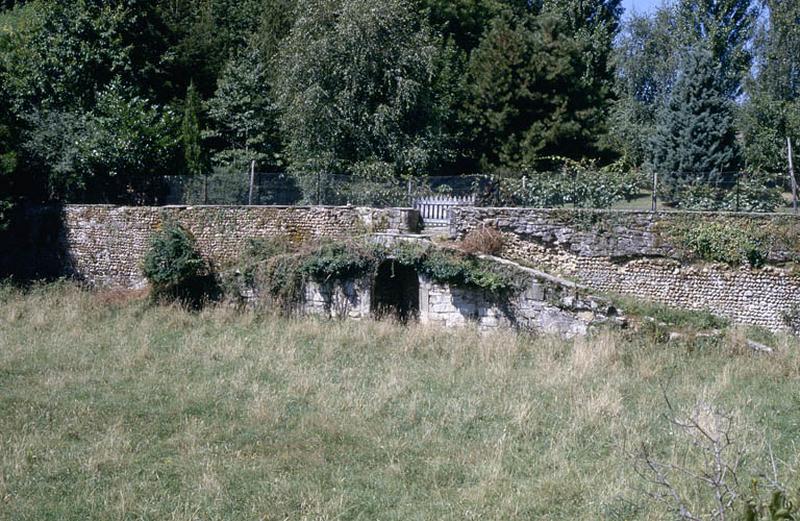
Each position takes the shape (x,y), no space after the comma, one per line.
(485,239)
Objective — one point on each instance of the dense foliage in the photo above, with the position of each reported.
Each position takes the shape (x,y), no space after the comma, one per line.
(98,98)
(579,184)
(694,143)
(278,269)
(175,268)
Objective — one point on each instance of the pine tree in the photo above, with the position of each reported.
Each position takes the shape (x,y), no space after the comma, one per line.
(694,147)
(190,133)
(528,97)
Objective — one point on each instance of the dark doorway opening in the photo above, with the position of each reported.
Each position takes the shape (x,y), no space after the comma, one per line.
(396,292)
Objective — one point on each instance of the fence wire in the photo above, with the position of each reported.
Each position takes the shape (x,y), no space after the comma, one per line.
(541,189)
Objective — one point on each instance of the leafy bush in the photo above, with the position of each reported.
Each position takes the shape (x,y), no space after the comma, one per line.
(339,260)
(460,269)
(176,270)
(698,196)
(722,242)
(779,506)
(281,279)
(581,184)
(754,192)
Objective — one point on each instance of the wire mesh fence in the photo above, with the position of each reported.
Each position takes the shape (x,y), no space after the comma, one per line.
(311,189)
(565,188)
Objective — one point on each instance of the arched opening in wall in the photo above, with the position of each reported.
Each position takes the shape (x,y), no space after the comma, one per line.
(396,292)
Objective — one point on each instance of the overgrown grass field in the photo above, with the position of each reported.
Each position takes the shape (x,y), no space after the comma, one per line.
(112,408)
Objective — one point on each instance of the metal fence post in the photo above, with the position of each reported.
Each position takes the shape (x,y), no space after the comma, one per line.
(654,204)
(252,180)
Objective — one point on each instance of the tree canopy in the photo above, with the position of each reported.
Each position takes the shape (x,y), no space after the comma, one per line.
(97,95)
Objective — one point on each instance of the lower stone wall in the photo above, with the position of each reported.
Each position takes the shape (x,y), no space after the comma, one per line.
(625,253)
(338,299)
(764,297)
(545,307)
(105,245)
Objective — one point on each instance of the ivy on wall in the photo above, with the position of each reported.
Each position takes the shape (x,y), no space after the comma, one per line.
(279,269)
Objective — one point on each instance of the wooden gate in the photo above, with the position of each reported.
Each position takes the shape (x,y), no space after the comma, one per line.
(435,210)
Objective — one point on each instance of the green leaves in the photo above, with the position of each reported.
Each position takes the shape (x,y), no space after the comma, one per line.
(175,268)
(358,85)
(695,141)
(723,242)
(530,93)
(244,115)
(190,133)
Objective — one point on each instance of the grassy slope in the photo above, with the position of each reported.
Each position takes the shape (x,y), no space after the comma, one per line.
(113,410)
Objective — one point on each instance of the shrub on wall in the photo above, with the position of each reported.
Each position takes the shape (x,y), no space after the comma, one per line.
(340,261)
(280,276)
(723,242)
(459,269)
(278,269)
(176,270)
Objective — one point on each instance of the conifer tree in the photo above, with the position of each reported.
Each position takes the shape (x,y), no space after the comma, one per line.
(694,146)
(190,132)
(244,115)
(528,97)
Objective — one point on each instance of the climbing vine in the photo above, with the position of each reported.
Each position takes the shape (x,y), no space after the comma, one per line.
(279,270)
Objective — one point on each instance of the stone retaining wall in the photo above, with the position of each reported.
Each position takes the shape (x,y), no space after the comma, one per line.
(105,245)
(542,308)
(630,253)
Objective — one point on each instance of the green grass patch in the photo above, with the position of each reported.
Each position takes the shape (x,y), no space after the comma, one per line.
(115,409)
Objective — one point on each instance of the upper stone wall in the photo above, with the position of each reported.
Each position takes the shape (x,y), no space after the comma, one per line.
(615,233)
(105,245)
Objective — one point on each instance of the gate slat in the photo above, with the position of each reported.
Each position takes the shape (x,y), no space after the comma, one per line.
(437,210)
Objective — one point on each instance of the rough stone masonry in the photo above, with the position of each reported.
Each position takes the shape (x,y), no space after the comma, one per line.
(105,245)
(631,253)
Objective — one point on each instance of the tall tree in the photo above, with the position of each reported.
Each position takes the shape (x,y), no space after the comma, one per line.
(595,24)
(725,27)
(358,89)
(58,55)
(464,22)
(528,93)
(694,146)
(647,59)
(8,163)
(206,33)
(190,133)
(772,111)
(244,115)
